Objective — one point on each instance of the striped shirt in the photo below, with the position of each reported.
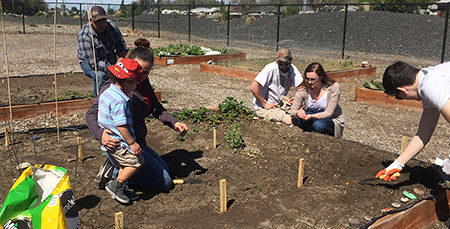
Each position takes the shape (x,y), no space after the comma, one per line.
(106,47)
(114,110)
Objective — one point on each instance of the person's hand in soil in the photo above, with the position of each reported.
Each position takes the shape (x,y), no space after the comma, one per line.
(390,170)
(179,126)
(109,142)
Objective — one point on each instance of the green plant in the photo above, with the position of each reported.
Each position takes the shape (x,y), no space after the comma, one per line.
(374,83)
(234,137)
(178,49)
(174,15)
(89,95)
(38,14)
(289,11)
(194,129)
(47,16)
(346,64)
(232,109)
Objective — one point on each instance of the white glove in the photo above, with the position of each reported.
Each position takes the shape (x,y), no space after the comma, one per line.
(395,165)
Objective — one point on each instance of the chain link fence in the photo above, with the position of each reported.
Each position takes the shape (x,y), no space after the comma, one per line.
(416,33)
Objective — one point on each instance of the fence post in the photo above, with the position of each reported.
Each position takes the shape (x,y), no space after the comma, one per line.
(345,31)
(81,17)
(228,25)
(132,17)
(278,25)
(445,33)
(23,17)
(189,24)
(159,21)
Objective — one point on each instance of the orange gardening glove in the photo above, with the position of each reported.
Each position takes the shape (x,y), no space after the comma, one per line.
(390,170)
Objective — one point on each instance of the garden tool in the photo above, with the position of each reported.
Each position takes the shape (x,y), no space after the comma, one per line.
(397,174)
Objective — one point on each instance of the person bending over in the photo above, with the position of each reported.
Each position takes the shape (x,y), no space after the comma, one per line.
(430,85)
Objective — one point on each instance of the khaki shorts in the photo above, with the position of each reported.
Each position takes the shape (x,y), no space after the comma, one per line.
(124,158)
(274,114)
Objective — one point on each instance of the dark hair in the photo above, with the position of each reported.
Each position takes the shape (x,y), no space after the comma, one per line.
(142,43)
(318,69)
(397,75)
(143,54)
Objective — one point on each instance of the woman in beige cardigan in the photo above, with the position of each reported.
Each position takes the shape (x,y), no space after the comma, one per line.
(315,106)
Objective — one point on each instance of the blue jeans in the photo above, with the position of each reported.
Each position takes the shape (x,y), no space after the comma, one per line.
(323,126)
(101,76)
(154,173)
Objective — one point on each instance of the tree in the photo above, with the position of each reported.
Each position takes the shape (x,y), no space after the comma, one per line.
(29,7)
(398,5)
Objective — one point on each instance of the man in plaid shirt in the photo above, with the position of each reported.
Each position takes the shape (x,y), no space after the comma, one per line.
(110,48)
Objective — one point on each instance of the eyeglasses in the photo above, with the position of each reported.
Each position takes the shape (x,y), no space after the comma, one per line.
(283,63)
(311,79)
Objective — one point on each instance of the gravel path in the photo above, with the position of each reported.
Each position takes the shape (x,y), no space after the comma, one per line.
(185,86)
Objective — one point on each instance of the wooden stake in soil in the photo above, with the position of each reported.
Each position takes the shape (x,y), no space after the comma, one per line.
(118,220)
(404,144)
(6,136)
(214,138)
(223,196)
(56,88)
(301,168)
(6,64)
(80,149)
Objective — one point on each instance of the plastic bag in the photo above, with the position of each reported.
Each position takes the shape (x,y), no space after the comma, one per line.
(41,198)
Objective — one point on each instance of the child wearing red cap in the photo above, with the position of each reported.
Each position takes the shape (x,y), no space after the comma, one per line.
(115,114)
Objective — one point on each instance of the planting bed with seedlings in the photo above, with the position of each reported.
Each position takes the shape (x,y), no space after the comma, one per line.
(259,161)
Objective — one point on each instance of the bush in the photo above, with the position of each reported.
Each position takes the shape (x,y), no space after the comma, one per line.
(289,11)
(38,14)
(48,15)
(174,15)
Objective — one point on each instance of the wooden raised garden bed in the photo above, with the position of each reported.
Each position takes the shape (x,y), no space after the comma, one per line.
(65,107)
(378,97)
(196,59)
(250,75)
(422,215)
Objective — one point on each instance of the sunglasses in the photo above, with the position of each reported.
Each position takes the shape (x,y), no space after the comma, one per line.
(283,63)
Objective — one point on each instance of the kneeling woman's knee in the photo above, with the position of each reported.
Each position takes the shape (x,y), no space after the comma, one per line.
(319,127)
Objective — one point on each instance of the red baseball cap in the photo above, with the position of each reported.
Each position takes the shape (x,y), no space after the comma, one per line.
(127,68)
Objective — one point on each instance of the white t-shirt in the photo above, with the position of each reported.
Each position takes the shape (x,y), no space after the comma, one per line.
(434,86)
(317,106)
(275,83)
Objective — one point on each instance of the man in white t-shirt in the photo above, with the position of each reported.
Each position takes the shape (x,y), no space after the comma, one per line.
(432,86)
(272,84)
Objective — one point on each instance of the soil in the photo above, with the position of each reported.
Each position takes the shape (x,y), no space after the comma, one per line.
(261,177)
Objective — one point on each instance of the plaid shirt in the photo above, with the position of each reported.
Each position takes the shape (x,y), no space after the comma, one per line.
(106,48)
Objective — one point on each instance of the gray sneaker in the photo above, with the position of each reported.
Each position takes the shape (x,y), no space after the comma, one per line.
(131,195)
(117,191)
(104,175)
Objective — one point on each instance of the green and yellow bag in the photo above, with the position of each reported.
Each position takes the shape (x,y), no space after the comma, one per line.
(41,198)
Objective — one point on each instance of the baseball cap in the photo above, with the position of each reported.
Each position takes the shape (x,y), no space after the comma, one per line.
(97,13)
(127,68)
(284,55)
